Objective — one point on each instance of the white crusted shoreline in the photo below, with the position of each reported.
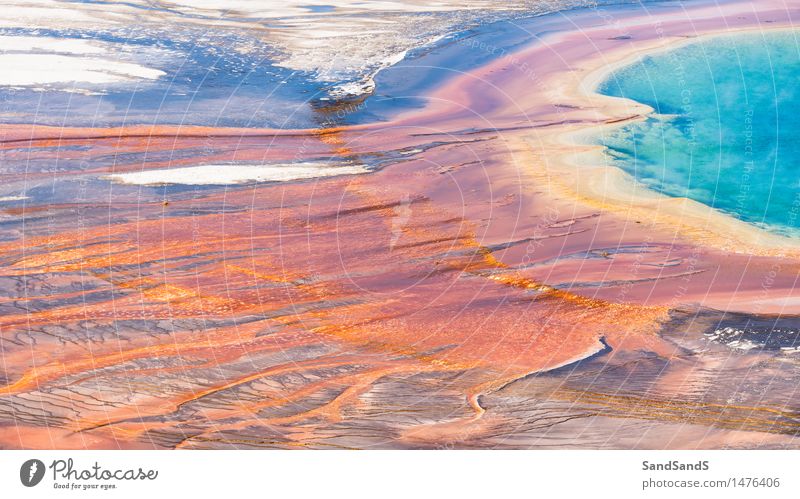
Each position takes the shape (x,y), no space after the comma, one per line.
(38,60)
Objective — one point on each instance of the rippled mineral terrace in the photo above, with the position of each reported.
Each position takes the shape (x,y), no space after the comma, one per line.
(451,271)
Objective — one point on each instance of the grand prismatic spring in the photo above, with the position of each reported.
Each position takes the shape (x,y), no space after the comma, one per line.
(402,225)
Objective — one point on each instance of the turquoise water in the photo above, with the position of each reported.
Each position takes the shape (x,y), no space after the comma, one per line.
(727,126)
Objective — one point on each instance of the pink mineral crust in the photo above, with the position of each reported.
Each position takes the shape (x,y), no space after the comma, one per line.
(440,301)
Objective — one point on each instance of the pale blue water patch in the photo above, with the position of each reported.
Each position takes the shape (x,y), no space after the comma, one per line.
(726,131)
(207,81)
(232,77)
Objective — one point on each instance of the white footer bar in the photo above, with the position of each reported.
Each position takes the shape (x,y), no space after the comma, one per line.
(378,474)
